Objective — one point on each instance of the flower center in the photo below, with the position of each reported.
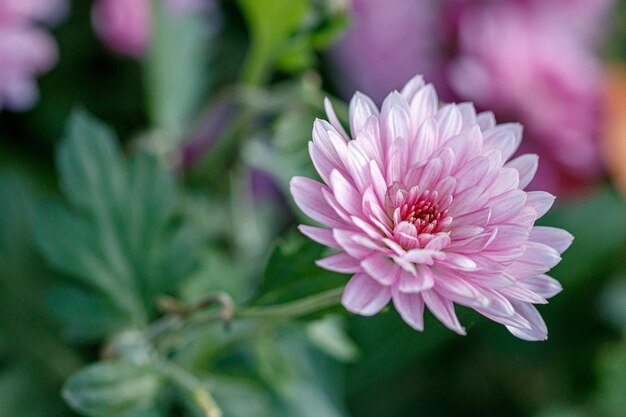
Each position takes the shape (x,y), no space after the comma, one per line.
(417,215)
(425,213)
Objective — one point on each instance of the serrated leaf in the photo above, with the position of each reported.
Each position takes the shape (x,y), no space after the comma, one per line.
(117,233)
(112,389)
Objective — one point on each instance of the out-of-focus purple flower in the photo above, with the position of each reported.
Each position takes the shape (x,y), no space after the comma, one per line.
(124,25)
(49,11)
(388,42)
(26,49)
(428,210)
(532,63)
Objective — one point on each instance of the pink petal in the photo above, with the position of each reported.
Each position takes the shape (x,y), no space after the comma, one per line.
(526,165)
(537,259)
(505,137)
(319,234)
(363,295)
(521,293)
(412,87)
(539,330)
(540,201)
(411,309)
(380,267)
(443,309)
(358,166)
(345,194)
(394,118)
(423,106)
(543,285)
(558,239)
(506,206)
(486,120)
(361,108)
(450,122)
(334,121)
(471,173)
(308,195)
(468,113)
(458,262)
(422,280)
(460,291)
(340,262)
(345,240)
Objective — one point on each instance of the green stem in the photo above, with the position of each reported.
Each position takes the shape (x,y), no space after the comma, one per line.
(292,309)
(193,386)
(170,325)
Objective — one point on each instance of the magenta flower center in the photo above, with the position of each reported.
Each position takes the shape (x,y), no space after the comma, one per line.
(417,215)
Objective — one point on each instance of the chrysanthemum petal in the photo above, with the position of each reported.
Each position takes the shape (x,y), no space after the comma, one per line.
(334,120)
(526,165)
(309,197)
(558,239)
(361,108)
(340,262)
(543,285)
(321,235)
(443,309)
(540,201)
(411,309)
(364,296)
(381,268)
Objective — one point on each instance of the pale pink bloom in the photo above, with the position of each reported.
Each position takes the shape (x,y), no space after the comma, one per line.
(427,209)
(26,49)
(535,63)
(25,53)
(124,26)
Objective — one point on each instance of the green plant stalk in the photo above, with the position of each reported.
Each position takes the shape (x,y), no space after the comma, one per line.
(292,309)
(193,386)
(174,325)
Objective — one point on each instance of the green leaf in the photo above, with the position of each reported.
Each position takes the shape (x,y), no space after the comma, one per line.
(306,384)
(328,335)
(176,70)
(271,23)
(117,235)
(291,271)
(86,316)
(33,359)
(229,393)
(112,389)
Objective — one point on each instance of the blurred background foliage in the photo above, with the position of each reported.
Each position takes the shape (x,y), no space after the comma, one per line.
(132,179)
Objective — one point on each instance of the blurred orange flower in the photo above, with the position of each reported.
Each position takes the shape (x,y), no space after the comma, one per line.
(614,134)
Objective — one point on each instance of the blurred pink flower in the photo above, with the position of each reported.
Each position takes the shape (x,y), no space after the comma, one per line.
(493,53)
(533,63)
(428,210)
(26,49)
(49,11)
(124,25)
(388,42)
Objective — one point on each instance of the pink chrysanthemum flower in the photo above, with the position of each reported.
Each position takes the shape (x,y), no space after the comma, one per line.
(124,26)
(427,210)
